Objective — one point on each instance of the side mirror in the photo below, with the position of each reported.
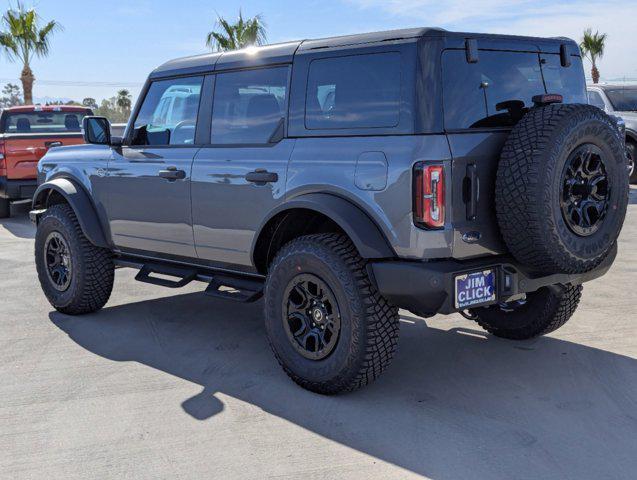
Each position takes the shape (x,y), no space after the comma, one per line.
(96,130)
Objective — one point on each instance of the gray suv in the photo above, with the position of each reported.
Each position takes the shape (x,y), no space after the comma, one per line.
(620,101)
(342,179)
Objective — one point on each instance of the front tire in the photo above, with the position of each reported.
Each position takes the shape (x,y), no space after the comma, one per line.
(542,312)
(76,276)
(328,326)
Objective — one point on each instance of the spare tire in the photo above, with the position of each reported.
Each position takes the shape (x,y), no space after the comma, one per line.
(562,188)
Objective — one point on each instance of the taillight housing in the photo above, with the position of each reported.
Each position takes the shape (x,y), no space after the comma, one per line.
(3,160)
(429,196)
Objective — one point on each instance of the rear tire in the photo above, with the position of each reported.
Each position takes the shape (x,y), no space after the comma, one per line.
(5,208)
(76,276)
(363,325)
(543,312)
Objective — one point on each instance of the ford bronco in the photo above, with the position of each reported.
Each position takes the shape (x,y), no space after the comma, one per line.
(26,134)
(342,179)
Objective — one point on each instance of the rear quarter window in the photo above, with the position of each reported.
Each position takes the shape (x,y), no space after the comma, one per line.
(356,91)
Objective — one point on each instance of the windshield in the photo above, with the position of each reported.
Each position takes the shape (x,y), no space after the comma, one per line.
(43,122)
(623,99)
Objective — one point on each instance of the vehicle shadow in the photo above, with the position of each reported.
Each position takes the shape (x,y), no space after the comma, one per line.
(455,404)
(18,224)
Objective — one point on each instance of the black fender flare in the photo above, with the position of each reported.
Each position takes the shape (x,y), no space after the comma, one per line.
(361,229)
(631,135)
(81,204)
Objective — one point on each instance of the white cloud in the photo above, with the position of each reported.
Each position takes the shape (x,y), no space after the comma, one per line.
(530,17)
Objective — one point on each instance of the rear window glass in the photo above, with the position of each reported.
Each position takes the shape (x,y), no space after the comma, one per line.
(498,90)
(43,122)
(567,81)
(359,91)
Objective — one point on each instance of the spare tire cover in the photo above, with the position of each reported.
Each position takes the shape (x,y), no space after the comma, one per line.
(562,188)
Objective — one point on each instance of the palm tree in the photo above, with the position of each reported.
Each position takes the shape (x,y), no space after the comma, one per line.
(124,100)
(22,39)
(232,36)
(592,47)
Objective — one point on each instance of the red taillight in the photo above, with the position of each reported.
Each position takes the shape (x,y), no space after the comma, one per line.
(3,161)
(429,196)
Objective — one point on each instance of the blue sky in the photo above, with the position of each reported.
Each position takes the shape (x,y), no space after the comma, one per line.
(109,45)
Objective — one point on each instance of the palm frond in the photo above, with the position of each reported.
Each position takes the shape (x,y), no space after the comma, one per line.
(21,35)
(243,33)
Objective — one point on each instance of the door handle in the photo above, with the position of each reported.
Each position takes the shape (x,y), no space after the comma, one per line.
(474,191)
(171,173)
(52,144)
(261,176)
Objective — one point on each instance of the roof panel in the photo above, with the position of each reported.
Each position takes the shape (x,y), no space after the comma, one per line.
(258,56)
(284,52)
(193,64)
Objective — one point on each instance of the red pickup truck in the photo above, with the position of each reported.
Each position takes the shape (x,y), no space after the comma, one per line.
(26,134)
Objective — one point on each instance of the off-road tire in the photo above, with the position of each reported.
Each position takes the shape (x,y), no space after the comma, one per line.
(631,148)
(369,324)
(544,312)
(93,269)
(5,208)
(529,188)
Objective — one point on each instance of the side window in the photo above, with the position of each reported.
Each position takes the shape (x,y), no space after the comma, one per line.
(168,115)
(595,99)
(249,105)
(357,91)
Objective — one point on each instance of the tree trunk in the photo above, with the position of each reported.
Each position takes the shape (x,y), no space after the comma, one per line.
(27,80)
(595,74)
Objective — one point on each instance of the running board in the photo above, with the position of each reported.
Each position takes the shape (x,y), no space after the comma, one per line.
(185,276)
(227,285)
(243,290)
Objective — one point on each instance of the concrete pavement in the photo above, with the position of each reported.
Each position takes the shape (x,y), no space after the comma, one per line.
(184,386)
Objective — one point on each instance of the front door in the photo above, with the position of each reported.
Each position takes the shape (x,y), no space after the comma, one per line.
(241,176)
(149,182)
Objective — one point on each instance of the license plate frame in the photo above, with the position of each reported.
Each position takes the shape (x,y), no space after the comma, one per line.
(474,289)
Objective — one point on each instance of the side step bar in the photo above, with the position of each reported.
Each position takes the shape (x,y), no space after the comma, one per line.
(221,284)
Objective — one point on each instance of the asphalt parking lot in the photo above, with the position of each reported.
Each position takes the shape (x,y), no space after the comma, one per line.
(184,386)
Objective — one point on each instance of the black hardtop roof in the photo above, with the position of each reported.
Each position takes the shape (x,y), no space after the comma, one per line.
(284,52)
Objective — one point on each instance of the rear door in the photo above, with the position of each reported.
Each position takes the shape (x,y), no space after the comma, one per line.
(482,102)
(148,204)
(240,176)
(28,135)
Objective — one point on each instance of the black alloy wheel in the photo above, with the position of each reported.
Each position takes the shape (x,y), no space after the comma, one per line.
(59,265)
(585,190)
(312,319)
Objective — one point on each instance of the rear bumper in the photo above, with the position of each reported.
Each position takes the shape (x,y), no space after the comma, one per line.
(17,189)
(428,288)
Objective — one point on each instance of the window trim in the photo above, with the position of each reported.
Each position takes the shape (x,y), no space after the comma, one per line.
(286,107)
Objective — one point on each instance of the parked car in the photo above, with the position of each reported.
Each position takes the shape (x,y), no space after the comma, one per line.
(345,178)
(117,129)
(621,101)
(26,134)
